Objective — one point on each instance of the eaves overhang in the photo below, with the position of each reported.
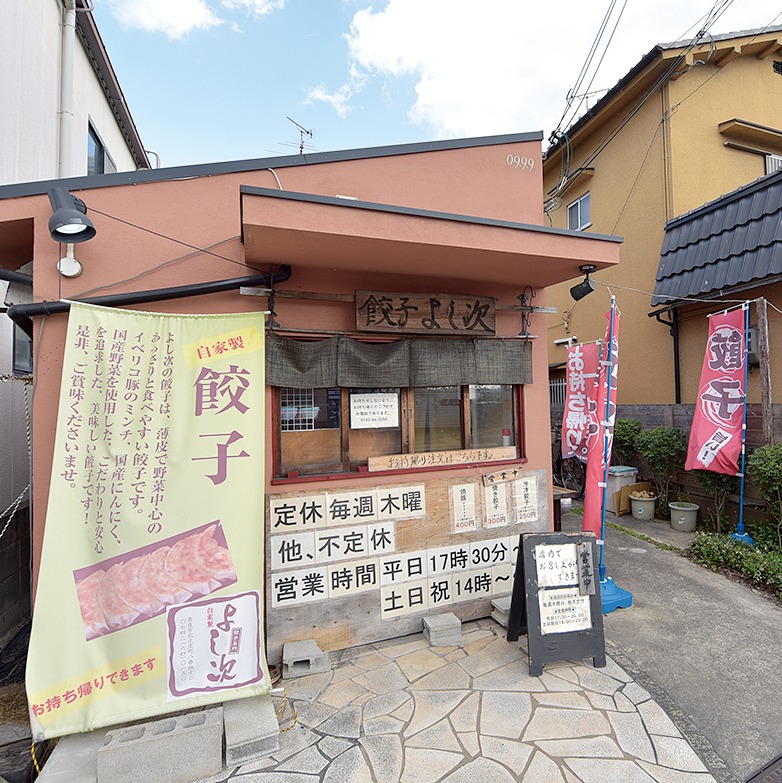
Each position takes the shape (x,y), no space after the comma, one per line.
(340,235)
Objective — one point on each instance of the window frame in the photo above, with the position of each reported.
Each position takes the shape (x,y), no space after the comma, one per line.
(21,338)
(578,204)
(104,163)
(347,469)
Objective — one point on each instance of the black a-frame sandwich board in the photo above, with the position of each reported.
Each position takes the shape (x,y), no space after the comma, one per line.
(556,599)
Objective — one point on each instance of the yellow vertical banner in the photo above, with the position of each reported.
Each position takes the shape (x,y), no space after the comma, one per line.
(151,583)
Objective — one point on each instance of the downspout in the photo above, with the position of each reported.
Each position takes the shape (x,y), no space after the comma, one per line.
(67,47)
(673,328)
(16,277)
(23,314)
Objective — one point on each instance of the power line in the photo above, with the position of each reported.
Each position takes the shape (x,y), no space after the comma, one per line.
(710,19)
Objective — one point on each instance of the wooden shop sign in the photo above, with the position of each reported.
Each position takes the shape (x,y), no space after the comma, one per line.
(434,314)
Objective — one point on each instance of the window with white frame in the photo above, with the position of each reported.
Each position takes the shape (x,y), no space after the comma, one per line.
(578,214)
(773,163)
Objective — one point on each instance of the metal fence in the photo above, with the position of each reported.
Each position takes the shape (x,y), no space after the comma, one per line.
(556,390)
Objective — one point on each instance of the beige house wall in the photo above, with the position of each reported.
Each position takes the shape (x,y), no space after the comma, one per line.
(668,159)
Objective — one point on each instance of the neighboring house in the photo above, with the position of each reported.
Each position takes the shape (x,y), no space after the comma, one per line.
(395,276)
(688,123)
(63,115)
(63,112)
(729,249)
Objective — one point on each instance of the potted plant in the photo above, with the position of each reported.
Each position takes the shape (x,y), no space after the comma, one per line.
(642,504)
(684,515)
(664,449)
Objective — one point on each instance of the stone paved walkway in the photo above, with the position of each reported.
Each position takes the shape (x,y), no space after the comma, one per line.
(404,712)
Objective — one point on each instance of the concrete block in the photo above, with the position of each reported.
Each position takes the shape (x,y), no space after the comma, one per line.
(443,630)
(300,658)
(501,610)
(73,759)
(171,750)
(251,729)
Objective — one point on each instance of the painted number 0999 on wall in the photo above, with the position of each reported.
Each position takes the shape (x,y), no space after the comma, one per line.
(521,162)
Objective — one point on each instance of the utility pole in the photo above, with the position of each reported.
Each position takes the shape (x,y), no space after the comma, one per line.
(767,412)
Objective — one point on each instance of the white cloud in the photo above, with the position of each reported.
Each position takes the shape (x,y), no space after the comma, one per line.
(255,7)
(502,66)
(177,18)
(338,99)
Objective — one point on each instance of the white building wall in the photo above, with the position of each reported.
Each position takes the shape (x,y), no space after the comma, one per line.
(30,45)
(29,89)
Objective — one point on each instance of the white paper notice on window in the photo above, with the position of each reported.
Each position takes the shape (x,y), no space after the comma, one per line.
(556,565)
(463,509)
(564,610)
(525,495)
(373,411)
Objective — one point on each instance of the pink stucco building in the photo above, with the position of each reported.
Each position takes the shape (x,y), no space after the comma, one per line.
(407,356)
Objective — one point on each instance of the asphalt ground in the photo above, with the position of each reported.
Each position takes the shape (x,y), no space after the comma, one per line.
(707,647)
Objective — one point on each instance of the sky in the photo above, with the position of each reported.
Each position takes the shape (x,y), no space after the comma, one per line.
(220,80)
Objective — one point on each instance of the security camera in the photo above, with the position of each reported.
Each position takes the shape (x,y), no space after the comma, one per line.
(567,340)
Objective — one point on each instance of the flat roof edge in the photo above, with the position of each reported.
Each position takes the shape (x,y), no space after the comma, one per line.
(336,201)
(141,176)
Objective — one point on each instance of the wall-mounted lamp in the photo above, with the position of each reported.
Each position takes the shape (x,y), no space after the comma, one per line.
(69,222)
(586,286)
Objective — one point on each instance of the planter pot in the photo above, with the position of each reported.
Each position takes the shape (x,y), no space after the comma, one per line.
(642,508)
(684,516)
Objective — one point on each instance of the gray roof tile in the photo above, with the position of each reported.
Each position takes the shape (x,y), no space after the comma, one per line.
(733,240)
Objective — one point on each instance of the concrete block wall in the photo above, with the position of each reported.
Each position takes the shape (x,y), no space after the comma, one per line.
(15,571)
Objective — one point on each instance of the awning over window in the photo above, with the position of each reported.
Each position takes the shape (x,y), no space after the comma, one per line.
(342,361)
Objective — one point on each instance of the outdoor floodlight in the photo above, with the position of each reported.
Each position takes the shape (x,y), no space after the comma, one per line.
(69,222)
(586,286)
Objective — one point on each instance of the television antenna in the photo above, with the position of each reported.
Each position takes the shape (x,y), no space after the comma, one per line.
(302,132)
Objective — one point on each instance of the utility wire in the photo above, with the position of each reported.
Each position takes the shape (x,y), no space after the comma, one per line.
(172,239)
(160,266)
(573,93)
(693,299)
(710,19)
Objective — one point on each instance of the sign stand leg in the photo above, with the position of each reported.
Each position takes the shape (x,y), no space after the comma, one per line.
(517,618)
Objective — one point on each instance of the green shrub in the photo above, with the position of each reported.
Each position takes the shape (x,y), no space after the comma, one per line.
(762,568)
(718,486)
(764,468)
(664,449)
(625,434)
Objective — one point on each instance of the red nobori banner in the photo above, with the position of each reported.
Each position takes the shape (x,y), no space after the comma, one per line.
(601,443)
(581,376)
(715,436)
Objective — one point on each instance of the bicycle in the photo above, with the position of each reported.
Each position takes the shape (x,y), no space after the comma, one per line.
(567,472)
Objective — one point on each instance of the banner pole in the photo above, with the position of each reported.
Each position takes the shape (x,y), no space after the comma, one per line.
(609,365)
(612,596)
(740,534)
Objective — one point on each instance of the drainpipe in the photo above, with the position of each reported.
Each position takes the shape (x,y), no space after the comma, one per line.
(23,314)
(16,277)
(67,47)
(673,328)
(677,378)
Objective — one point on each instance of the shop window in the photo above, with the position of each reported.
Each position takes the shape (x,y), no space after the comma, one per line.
(579,214)
(336,430)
